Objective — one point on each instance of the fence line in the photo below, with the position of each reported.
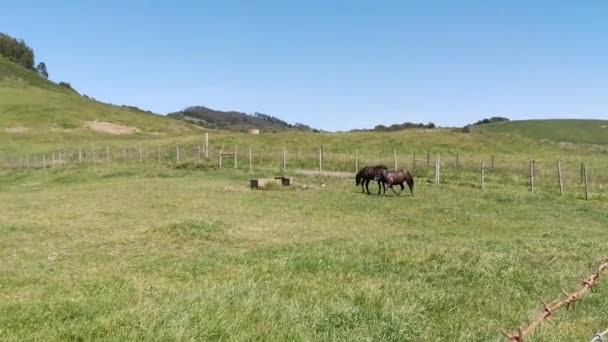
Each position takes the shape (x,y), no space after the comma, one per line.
(570,300)
(600,337)
(542,175)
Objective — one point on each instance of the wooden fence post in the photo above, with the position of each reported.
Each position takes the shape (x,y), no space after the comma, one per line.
(559,175)
(437,170)
(284,159)
(320,159)
(221,152)
(413,160)
(44,161)
(27,160)
(492,162)
(250,162)
(582,172)
(79,156)
(483,164)
(395,157)
(586,186)
(532,175)
(206,145)
(356,160)
(236,151)
(457,162)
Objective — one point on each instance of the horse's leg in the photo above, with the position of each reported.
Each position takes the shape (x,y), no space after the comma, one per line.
(362,187)
(384,188)
(391,186)
(380,183)
(410,184)
(367,185)
(402,187)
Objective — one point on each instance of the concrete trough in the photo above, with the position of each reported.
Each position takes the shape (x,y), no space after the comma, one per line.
(260,183)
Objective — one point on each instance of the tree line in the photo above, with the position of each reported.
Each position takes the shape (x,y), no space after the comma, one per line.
(397,127)
(17,51)
(212,118)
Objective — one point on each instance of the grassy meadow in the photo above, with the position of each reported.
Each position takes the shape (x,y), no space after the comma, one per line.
(460,155)
(117,238)
(147,252)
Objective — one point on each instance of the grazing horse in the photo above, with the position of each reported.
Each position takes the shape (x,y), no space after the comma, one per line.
(393,177)
(369,173)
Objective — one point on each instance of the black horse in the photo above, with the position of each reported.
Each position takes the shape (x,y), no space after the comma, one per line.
(393,177)
(369,173)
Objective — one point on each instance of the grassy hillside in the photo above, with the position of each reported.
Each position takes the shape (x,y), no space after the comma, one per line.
(35,109)
(574,131)
(39,116)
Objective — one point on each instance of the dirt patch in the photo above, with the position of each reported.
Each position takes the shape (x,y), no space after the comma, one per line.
(236,187)
(18,129)
(108,127)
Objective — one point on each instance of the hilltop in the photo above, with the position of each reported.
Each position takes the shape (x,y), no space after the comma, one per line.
(579,131)
(233,120)
(33,108)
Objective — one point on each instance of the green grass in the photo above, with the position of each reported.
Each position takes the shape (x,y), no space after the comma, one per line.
(151,253)
(573,131)
(184,251)
(44,113)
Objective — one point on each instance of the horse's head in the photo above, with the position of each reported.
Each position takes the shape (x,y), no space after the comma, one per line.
(380,174)
(358,178)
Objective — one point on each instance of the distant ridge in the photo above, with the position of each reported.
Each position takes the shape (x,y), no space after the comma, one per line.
(233,120)
(578,131)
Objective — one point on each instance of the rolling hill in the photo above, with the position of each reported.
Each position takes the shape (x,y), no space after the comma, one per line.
(577,131)
(233,120)
(33,108)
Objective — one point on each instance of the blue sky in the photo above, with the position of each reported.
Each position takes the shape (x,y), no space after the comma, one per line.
(331,64)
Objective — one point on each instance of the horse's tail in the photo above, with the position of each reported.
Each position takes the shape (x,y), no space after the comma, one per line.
(410,181)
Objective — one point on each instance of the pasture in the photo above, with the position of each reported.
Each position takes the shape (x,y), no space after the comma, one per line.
(150,252)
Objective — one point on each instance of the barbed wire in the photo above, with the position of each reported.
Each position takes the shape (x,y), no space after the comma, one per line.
(600,337)
(568,302)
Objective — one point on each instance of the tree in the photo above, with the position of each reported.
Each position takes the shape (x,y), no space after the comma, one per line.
(67,85)
(380,128)
(42,70)
(491,120)
(16,51)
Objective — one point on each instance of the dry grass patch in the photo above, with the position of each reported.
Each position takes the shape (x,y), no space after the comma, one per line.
(111,128)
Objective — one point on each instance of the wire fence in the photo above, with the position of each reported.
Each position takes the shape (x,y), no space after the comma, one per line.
(600,337)
(564,176)
(569,301)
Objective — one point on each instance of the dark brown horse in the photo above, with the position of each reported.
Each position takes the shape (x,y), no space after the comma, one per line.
(393,177)
(369,173)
